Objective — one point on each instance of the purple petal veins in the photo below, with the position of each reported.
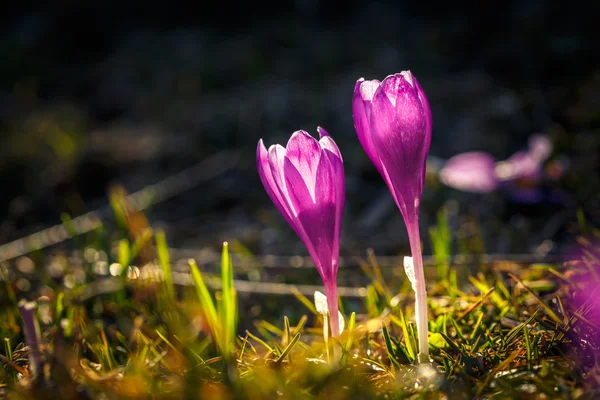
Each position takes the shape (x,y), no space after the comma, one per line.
(305,181)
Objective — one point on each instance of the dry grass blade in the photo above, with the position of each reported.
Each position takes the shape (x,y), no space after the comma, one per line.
(475,305)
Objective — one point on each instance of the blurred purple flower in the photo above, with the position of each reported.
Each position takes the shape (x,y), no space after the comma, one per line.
(520,176)
(393,122)
(540,146)
(589,301)
(521,165)
(305,181)
(470,172)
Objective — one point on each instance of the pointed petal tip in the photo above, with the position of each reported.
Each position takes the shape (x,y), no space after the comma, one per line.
(365,90)
(408,76)
(322,132)
(261,150)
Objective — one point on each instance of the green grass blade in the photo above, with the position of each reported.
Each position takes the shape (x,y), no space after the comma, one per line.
(165,264)
(388,345)
(304,300)
(229,306)
(407,342)
(527,346)
(206,300)
(124,255)
(300,324)
(288,348)
(348,345)
(139,243)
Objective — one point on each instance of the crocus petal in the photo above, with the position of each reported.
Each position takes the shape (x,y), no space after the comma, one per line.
(331,151)
(540,146)
(276,158)
(316,218)
(470,172)
(331,190)
(428,122)
(322,132)
(328,144)
(361,110)
(519,165)
(304,152)
(266,176)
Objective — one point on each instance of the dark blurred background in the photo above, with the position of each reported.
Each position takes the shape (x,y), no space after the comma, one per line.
(96,93)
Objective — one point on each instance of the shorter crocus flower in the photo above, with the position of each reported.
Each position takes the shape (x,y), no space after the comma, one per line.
(305,181)
(393,123)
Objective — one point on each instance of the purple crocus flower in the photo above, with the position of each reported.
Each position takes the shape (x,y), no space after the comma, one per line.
(305,181)
(393,122)
(520,176)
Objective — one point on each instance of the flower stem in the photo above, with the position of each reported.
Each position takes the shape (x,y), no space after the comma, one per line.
(332,305)
(420,290)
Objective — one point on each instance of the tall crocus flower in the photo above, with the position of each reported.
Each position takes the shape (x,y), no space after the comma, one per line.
(305,180)
(393,122)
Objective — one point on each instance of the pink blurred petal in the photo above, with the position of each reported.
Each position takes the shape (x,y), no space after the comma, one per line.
(470,172)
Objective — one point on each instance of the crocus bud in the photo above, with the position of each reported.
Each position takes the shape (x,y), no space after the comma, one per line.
(393,122)
(305,181)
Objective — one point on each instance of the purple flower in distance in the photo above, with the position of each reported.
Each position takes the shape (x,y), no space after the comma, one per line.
(520,177)
(471,172)
(393,122)
(521,165)
(305,181)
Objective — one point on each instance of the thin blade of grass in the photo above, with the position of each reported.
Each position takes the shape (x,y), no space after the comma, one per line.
(141,241)
(304,300)
(259,340)
(388,345)
(300,324)
(229,309)
(527,347)
(288,348)
(348,345)
(205,299)
(165,263)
